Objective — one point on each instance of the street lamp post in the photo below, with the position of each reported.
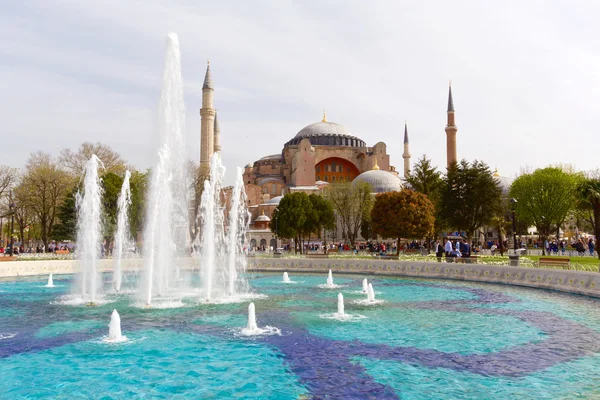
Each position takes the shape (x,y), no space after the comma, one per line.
(513,206)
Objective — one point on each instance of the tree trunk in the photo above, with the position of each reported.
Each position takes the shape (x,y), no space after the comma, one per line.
(597,224)
(398,247)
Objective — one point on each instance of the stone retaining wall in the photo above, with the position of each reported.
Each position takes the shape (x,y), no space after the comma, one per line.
(578,282)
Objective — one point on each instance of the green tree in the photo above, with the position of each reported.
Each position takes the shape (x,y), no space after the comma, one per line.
(351,201)
(66,228)
(46,186)
(291,215)
(111,185)
(138,184)
(470,196)
(545,198)
(588,192)
(403,214)
(321,216)
(425,178)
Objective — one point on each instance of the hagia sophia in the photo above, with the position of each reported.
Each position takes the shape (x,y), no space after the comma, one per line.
(320,154)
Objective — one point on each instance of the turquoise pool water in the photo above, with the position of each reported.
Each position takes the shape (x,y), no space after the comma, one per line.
(428,339)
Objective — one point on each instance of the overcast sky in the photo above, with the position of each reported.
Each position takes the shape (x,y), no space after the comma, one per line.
(525,76)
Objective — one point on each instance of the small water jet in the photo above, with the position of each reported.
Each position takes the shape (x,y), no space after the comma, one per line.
(122,235)
(114,329)
(370,300)
(50,281)
(341,315)
(370,293)
(340,306)
(330,279)
(286,278)
(252,328)
(365,286)
(330,284)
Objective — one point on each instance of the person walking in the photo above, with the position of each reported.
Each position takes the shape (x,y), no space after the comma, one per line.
(448,247)
(439,250)
(591,246)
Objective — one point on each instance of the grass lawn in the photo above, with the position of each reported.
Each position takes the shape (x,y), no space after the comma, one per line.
(578,260)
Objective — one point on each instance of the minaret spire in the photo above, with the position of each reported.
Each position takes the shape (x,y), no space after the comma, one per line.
(217,140)
(451,130)
(406,154)
(207,121)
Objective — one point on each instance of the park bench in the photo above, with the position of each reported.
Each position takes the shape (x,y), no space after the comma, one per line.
(564,263)
(8,258)
(468,260)
(389,257)
(61,252)
(329,251)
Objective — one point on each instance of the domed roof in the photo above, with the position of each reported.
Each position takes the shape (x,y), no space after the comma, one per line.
(262,217)
(322,128)
(275,200)
(380,181)
(326,133)
(504,182)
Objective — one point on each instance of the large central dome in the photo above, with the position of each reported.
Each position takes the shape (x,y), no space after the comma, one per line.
(322,128)
(326,133)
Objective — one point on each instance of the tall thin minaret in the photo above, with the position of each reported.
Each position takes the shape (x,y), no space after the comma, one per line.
(207,121)
(450,132)
(406,154)
(217,139)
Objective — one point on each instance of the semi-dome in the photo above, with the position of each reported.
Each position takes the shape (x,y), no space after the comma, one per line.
(325,133)
(380,181)
(275,200)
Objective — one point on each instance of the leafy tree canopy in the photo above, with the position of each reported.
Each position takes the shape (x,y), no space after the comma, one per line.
(404,214)
(545,198)
(470,196)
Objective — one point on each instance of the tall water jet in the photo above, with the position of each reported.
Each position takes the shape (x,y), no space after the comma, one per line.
(329,279)
(89,228)
(114,329)
(122,235)
(286,277)
(370,293)
(365,286)
(340,305)
(211,216)
(50,281)
(167,213)
(221,254)
(236,233)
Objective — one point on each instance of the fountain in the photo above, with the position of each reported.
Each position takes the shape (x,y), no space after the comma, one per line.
(221,255)
(167,213)
(252,328)
(50,281)
(370,294)
(286,278)
(330,279)
(340,306)
(89,228)
(365,286)
(114,329)
(122,236)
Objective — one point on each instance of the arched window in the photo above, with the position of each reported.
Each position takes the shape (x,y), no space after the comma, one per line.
(333,179)
(325,178)
(318,177)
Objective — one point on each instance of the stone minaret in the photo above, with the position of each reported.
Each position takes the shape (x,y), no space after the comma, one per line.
(207,124)
(450,132)
(217,139)
(406,154)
